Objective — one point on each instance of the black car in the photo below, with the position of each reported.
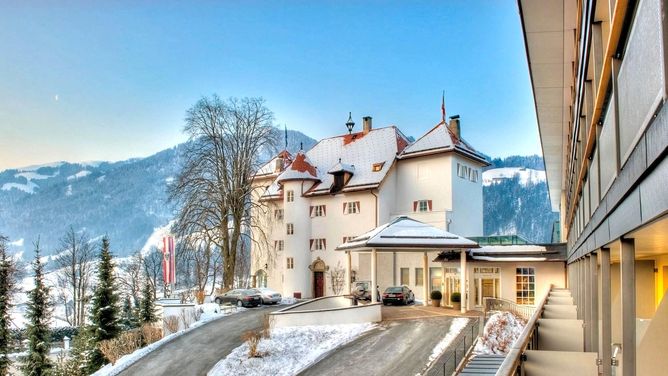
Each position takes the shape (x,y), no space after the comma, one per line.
(398,294)
(240,298)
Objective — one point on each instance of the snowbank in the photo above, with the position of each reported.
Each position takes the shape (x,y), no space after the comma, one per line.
(288,300)
(501,331)
(208,314)
(289,350)
(456,327)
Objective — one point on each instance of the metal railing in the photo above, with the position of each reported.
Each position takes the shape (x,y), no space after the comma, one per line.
(497,304)
(461,350)
(528,340)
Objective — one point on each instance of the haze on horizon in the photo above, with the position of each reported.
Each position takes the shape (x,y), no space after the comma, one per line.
(113,81)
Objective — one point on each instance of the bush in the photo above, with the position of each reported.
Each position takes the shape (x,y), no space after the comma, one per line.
(456,297)
(150,334)
(436,295)
(253,338)
(126,343)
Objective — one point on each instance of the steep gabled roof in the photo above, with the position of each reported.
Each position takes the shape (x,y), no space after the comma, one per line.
(300,169)
(440,139)
(269,169)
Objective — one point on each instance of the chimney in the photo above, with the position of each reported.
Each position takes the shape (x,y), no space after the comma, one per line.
(454,126)
(366,121)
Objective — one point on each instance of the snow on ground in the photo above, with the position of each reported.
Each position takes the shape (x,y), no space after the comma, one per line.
(456,327)
(31,175)
(210,313)
(501,331)
(288,300)
(526,175)
(289,350)
(155,240)
(28,187)
(79,175)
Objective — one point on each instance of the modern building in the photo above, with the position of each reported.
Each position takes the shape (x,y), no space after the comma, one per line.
(598,71)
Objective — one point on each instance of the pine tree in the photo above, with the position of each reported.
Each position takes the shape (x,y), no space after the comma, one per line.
(128,316)
(147,306)
(39,313)
(105,309)
(7,268)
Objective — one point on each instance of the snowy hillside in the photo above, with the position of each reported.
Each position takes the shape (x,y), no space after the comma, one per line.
(525,175)
(125,200)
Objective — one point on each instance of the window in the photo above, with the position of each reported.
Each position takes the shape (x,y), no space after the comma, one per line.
(525,282)
(466,172)
(352,207)
(290,196)
(318,211)
(291,263)
(318,244)
(461,171)
(278,214)
(473,175)
(348,238)
(419,277)
(422,206)
(278,245)
(404,276)
(290,228)
(377,166)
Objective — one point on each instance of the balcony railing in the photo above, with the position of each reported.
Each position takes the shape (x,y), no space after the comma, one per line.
(505,305)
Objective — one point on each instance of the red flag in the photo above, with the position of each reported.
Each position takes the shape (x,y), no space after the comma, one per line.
(443,107)
(168,260)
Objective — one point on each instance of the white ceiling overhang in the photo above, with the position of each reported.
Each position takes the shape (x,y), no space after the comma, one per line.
(549,34)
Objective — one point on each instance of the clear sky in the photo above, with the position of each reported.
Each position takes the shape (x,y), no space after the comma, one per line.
(85,81)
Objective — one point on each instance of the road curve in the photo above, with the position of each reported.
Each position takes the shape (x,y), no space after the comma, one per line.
(196,352)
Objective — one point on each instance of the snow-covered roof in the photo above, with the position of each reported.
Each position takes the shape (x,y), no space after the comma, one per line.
(514,252)
(342,167)
(362,150)
(300,169)
(440,139)
(407,234)
(275,166)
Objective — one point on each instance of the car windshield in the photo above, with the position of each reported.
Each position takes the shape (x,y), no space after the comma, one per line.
(248,292)
(266,290)
(394,289)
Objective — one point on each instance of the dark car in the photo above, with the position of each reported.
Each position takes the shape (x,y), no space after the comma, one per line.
(240,298)
(398,294)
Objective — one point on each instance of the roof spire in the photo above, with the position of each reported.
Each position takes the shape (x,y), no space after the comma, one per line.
(286,136)
(350,123)
(301,146)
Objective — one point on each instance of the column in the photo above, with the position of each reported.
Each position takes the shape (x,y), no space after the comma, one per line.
(446,298)
(349,268)
(605,352)
(586,308)
(462,282)
(593,272)
(374,279)
(425,275)
(628,294)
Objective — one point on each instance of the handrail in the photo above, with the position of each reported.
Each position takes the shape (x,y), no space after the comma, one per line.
(475,332)
(514,356)
(498,304)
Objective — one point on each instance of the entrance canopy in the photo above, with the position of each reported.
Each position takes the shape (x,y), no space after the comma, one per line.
(405,234)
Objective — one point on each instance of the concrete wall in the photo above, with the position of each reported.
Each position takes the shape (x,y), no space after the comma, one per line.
(326,311)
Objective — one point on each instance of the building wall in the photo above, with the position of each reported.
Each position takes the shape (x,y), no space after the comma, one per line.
(467,210)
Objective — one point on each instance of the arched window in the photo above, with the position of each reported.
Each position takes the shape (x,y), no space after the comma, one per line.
(261,278)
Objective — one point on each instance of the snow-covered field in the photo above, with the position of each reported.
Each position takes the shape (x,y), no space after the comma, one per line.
(211,311)
(501,331)
(289,350)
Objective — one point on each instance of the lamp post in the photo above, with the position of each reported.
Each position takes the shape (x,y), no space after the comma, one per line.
(350,123)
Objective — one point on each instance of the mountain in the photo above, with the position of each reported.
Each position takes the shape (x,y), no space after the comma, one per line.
(125,200)
(515,199)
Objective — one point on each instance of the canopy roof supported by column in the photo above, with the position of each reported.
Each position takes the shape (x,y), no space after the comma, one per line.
(406,235)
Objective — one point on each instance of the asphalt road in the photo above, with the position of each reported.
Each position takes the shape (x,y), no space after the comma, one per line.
(196,352)
(399,347)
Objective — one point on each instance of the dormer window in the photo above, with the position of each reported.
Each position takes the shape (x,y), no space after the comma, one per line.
(377,166)
(279,165)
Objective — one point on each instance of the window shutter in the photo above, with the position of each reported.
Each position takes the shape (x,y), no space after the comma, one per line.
(324,210)
(415,205)
(357,203)
(324,243)
(345,204)
(310,244)
(429,204)
(311,211)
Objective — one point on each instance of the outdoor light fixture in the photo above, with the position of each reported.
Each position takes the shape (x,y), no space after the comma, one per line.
(350,123)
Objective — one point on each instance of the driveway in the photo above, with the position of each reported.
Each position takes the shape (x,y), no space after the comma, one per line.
(400,346)
(198,351)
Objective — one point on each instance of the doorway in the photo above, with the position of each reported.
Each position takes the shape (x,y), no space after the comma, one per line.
(487,283)
(318,284)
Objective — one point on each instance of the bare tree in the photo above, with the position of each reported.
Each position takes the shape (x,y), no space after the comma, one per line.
(75,268)
(338,278)
(131,276)
(152,264)
(213,190)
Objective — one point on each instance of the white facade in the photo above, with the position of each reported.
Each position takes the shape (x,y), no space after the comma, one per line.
(436,180)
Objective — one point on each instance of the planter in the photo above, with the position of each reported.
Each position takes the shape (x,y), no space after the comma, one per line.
(457,305)
(436,302)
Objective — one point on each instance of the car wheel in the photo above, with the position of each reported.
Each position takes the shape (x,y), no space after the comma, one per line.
(217,300)
(240,303)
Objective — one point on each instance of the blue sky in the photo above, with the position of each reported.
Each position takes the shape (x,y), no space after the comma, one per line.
(113,81)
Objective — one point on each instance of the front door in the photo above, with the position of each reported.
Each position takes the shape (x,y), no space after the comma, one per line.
(319,283)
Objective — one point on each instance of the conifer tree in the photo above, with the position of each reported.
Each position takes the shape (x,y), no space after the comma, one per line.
(39,313)
(7,268)
(105,309)
(128,316)
(147,307)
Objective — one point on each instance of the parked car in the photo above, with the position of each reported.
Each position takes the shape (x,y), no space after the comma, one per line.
(398,294)
(240,298)
(268,295)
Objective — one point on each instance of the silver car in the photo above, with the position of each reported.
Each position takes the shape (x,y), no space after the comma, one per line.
(269,296)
